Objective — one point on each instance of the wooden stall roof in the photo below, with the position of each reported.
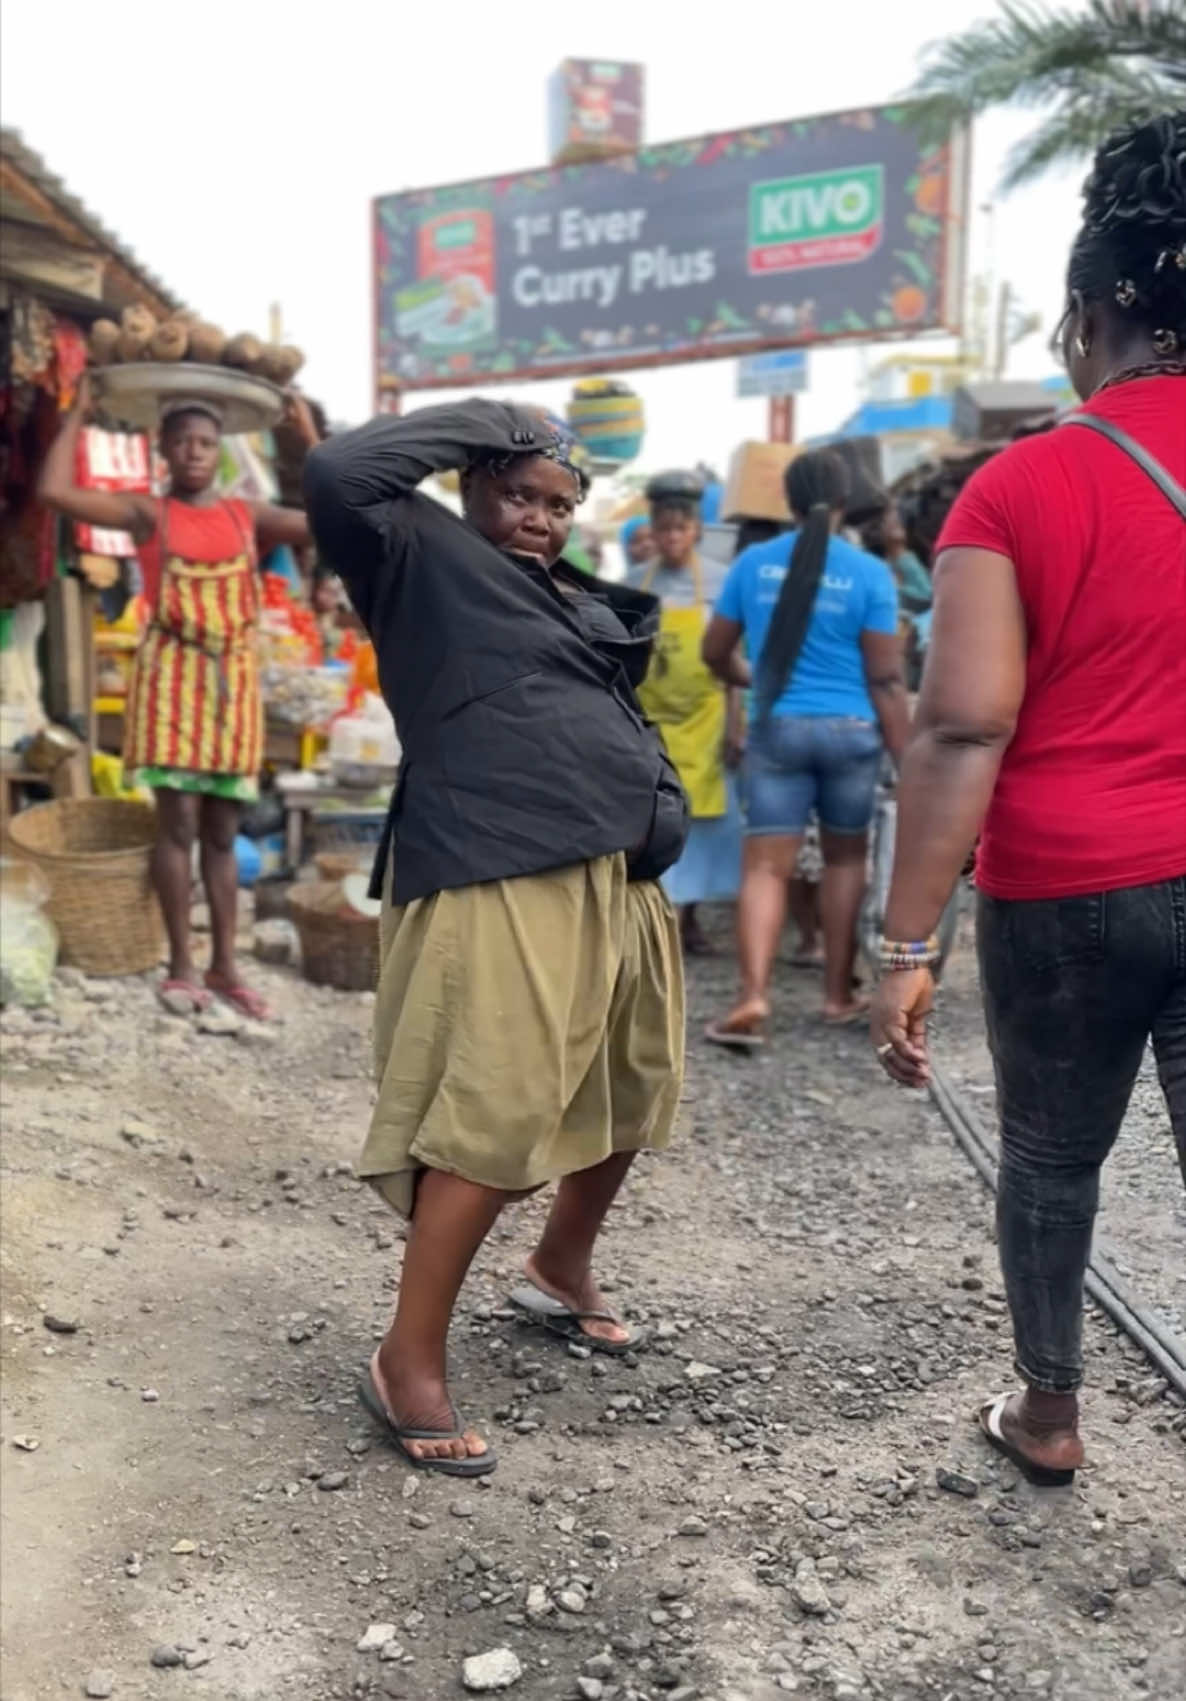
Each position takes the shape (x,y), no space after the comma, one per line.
(56,246)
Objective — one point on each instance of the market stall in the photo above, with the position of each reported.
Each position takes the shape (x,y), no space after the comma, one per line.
(71,610)
(60,271)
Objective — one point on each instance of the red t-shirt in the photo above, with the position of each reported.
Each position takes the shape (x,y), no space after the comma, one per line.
(1092,791)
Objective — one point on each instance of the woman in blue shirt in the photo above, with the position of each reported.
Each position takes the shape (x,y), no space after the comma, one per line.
(819,619)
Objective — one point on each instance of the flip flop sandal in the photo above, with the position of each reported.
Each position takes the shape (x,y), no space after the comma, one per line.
(989,1420)
(561,1320)
(199,998)
(734,1039)
(806,960)
(851,1018)
(399,1434)
(244,999)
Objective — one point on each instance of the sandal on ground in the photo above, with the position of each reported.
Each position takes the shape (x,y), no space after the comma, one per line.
(1042,1476)
(807,960)
(400,1434)
(198,998)
(560,1319)
(857,1016)
(734,1039)
(243,999)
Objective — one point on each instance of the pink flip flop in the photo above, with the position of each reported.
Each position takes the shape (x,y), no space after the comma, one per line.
(198,998)
(243,999)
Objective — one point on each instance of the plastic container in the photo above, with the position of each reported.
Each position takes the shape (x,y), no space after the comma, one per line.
(364,750)
(247,860)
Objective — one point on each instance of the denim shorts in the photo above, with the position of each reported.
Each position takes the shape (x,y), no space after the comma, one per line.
(799,763)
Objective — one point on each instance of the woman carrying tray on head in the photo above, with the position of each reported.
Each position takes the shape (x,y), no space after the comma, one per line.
(193,728)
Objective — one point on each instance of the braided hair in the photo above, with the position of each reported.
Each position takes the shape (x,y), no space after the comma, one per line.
(1130,255)
(817,485)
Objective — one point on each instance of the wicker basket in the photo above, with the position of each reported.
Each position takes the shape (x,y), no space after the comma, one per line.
(336,865)
(339,947)
(95,853)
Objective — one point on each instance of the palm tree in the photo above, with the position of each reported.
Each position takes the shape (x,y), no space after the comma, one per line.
(1106,65)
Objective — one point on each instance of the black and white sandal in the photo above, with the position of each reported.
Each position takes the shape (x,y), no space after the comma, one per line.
(1042,1476)
(559,1319)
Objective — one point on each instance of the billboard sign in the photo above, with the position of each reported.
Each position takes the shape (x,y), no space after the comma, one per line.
(594,110)
(781,372)
(800,233)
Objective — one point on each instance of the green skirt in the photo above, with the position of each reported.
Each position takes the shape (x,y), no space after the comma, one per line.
(236,788)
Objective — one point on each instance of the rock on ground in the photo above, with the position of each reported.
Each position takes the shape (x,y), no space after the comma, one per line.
(483,1674)
(813,1237)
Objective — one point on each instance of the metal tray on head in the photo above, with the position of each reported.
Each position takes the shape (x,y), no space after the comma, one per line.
(137,391)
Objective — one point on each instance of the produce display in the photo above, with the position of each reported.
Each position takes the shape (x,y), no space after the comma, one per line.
(305,696)
(139,335)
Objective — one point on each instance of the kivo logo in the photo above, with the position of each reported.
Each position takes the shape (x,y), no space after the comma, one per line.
(825,218)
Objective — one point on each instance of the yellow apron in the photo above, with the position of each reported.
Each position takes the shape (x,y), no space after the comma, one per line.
(687,703)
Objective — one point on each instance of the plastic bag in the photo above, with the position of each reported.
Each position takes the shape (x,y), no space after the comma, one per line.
(28,938)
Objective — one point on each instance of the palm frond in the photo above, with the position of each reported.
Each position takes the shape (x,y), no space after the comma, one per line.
(1121,59)
(1069,133)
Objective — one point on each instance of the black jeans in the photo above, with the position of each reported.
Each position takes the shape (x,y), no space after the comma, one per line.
(1074,988)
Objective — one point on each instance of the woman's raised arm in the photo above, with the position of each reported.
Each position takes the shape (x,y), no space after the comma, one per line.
(123,511)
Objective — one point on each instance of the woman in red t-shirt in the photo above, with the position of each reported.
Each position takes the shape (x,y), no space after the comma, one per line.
(1052,722)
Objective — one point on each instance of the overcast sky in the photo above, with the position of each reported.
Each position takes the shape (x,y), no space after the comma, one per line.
(236,146)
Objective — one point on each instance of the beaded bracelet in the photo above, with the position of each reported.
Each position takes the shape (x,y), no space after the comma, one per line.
(909,954)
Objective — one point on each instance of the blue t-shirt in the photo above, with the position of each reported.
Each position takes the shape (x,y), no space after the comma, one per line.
(856,594)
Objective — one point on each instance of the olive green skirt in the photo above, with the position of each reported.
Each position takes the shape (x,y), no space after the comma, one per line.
(525,1029)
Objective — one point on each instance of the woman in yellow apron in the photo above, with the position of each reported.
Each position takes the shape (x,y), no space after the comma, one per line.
(699,721)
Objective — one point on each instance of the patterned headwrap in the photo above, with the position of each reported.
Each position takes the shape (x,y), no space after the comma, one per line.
(560,446)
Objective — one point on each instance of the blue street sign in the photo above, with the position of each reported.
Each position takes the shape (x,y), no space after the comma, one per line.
(783,372)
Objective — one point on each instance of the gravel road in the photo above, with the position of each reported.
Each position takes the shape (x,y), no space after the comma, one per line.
(784,1495)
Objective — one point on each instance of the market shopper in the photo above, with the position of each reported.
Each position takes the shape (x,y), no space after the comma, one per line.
(819,621)
(193,729)
(636,542)
(701,723)
(886,538)
(529,1023)
(1053,717)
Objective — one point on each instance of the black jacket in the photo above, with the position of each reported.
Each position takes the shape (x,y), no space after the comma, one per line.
(524,747)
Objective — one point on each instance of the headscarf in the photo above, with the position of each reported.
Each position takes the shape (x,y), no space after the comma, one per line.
(630,531)
(561,447)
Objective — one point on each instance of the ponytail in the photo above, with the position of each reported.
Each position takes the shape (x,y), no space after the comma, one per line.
(817,484)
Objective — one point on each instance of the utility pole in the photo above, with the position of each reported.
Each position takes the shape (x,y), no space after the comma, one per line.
(1001,351)
(780,419)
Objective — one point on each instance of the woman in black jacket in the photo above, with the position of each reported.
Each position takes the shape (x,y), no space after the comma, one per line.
(529,1020)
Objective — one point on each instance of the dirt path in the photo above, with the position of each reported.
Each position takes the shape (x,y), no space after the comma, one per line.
(752,1510)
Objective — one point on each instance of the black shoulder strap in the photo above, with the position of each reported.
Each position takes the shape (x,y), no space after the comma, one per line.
(1168,486)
